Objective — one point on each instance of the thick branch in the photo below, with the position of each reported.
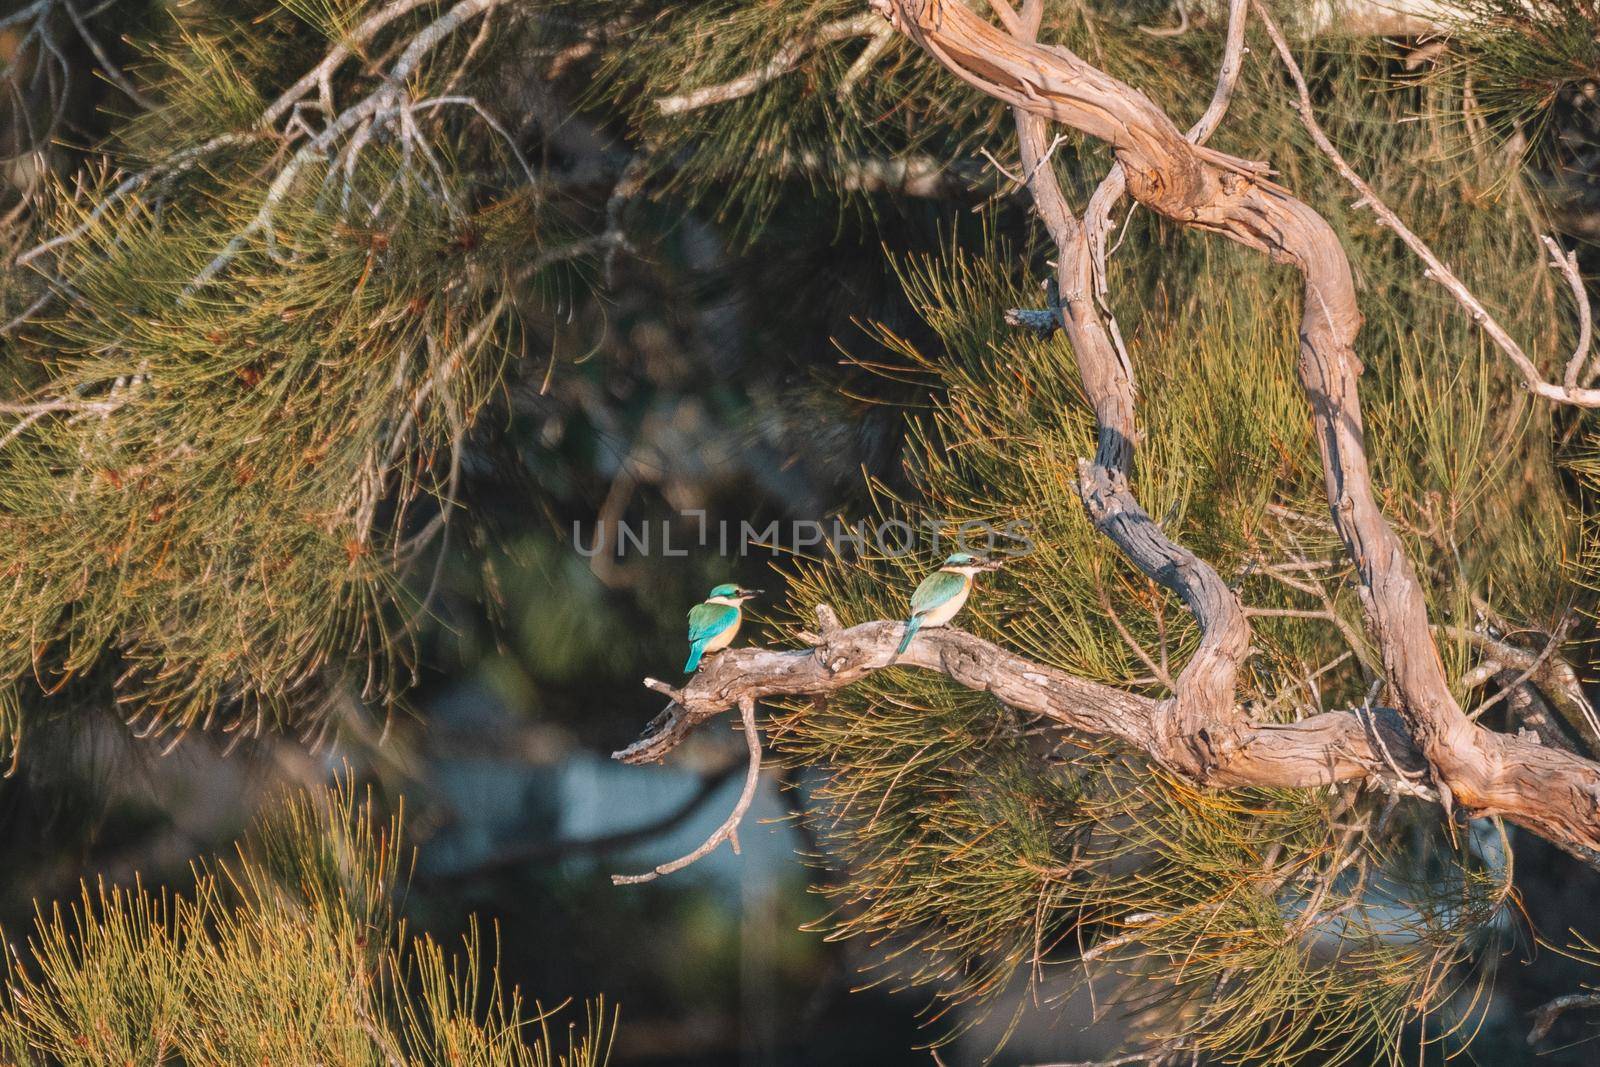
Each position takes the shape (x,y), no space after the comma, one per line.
(1199,716)
(1332,747)
(1553,793)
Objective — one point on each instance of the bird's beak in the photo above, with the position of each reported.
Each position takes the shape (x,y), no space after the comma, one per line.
(992,564)
(747,593)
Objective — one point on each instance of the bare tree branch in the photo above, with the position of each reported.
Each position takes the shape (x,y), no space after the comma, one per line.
(729,830)
(182,161)
(525,855)
(111,70)
(788,57)
(1334,746)
(1171,31)
(1552,793)
(1571,392)
(1198,717)
(33,10)
(384,102)
(1547,671)
(1545,1016)
(359,35)
(1379,18)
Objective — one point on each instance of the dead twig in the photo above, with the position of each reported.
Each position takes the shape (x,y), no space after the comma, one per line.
(786,60)
(1545,1016)
(729,830)
(1571,392)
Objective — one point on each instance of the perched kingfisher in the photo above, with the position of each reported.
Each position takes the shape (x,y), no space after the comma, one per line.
(942,593)
(714,623)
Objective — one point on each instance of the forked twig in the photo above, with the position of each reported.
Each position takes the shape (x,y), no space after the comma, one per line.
(1437,269)
(729,830)
(1097,216)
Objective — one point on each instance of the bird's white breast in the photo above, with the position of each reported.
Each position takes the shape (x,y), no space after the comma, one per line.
(725,638)
(942,614)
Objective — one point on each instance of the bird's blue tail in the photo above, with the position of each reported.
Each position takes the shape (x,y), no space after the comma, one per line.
(696,650)
(913,624)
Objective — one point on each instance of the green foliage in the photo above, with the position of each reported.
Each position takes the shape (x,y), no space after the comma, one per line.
(1258,926)
(860,114)
(1520,57)
(290,952)
(812,125)
(250,397)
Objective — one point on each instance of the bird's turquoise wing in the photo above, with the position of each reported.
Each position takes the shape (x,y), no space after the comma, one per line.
(935,589)
(708,620)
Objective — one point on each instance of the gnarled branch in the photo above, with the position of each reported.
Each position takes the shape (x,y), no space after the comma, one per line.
(1553,793)
(1334,746)
(1199,717)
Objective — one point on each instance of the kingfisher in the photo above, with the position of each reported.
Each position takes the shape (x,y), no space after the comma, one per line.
(943,592)
(714,623)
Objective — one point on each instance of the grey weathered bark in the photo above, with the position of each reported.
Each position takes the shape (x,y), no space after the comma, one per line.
(1201,716)
(1365,18)
(1335,746)
(1554,793)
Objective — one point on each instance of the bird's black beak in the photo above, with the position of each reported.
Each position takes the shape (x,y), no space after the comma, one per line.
(747,593)
(993,564)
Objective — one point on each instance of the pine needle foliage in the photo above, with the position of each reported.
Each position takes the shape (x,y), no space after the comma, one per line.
(289,952)
(244,410)
(841,108)
(981,850)
(1522,58)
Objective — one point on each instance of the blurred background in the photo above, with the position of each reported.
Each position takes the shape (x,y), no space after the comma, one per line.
(675,397)
(704,377)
